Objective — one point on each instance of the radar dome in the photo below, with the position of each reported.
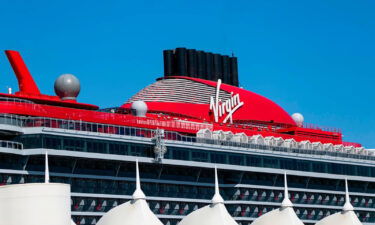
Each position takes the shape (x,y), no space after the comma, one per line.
(298,118)
(67,87)
(139,108)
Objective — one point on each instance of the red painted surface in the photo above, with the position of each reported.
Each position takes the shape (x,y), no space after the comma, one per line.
(150,122)
(28,88)
(194,111)
(26,82)
(255,108)
(51,100)
(184,118)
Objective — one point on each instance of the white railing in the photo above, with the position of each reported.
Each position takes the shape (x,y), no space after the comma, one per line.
(11,144)
(23,121)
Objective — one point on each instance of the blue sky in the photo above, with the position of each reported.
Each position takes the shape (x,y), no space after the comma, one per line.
(314,57)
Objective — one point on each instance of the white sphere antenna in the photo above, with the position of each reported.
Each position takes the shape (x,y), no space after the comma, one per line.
(67,87)
(139,108)
(298,118)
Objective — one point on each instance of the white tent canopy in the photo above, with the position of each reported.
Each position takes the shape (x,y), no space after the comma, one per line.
(279,141)
(213,214)
(328,146)
(270,140)
(339,148)
(257,139)
(241,137)
(228,135)
(204,133)
(345,217)
(290,143)
(305,144)
(134,212)
(317,145)
(218,135)
(285,215)
(35,203)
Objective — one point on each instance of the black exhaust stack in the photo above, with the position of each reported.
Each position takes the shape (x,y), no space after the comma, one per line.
(200,64)
(181,67)
(217,67)
(234,71)
(192,63)
(209,66)
(168,63)
(226,74)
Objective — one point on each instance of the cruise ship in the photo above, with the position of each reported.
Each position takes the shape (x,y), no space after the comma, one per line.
(191,120)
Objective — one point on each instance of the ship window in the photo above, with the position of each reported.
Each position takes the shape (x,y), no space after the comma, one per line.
(73,144)
(114,148)
(62,165)
(96,146)
(181,154)
(371,187)
(363,171)
(254,161)
(52,142)
(31,141)
(10,161)
(118,149)
(287,164)
(303,165)
(199,156)
(272,163)
(318,167)
(349,170)
(236,159)
(218,158)
(337,169)
(141,150)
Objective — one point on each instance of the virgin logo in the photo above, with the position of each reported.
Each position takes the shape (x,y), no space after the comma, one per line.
(226,108)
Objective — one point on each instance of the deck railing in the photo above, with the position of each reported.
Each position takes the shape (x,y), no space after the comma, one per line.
(23,121)
(323,128)
(11,144)
(276,149)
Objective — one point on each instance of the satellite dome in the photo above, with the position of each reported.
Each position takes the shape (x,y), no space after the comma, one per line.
(67,87)
(298,118)
(139,108)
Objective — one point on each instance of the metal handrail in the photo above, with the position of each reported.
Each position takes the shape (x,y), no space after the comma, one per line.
(16,100)
(11,144)
(273,148)
(23,121)
(323,128)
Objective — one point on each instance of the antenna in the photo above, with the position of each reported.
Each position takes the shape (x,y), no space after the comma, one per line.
(9,90)
(46,173)
(217,197)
